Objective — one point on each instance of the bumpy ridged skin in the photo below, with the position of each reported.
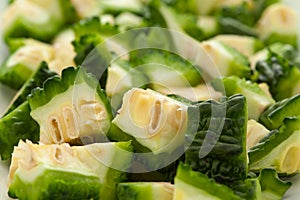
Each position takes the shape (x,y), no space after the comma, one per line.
(71,108)
(227,159)
(57,85)
(18,124)
(36,80)
(280,74)
(57,184)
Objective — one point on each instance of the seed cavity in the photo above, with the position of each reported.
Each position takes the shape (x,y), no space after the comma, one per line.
(156,117)
(55,130)
(70,123)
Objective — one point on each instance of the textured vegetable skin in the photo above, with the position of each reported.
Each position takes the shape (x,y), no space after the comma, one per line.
(227,160)
(56,184)
(16,125)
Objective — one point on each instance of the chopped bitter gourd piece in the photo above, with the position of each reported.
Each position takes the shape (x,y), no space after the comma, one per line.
(165,68)
(156,121)
(219,147)
(255,132)
(281,74)
(64,172)
(226,59)
(36,80)
(145,191)
(278,23)
(25,18)
(120,78)
(244,44)
(272,187)
(279,150)
(14,126)
(273,117)
(20,65)
(257,99)
(191,185)
(71,108)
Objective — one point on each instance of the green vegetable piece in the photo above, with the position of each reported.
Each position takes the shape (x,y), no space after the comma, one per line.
(194,185)
(271,185)
(64,172)
(145,191)
(274,116)
(71,108)
(36,80)
(219,147)
(157,63)
(257,99)
(25,18)
(156,121)
(280,74)
(279,150)
(278,17)
(226,59)
(20,65)
(17,125)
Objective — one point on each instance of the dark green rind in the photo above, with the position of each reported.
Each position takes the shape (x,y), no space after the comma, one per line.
(227,160)
(17,125)
(274,139)
(272,186)
(202,182)
(36,80)
(274,116)
(58,185)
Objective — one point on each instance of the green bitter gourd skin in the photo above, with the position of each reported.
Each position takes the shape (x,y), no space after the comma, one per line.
(16,125)
(70,108)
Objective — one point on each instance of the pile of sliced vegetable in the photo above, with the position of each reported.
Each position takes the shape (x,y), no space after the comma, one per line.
(108,108)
